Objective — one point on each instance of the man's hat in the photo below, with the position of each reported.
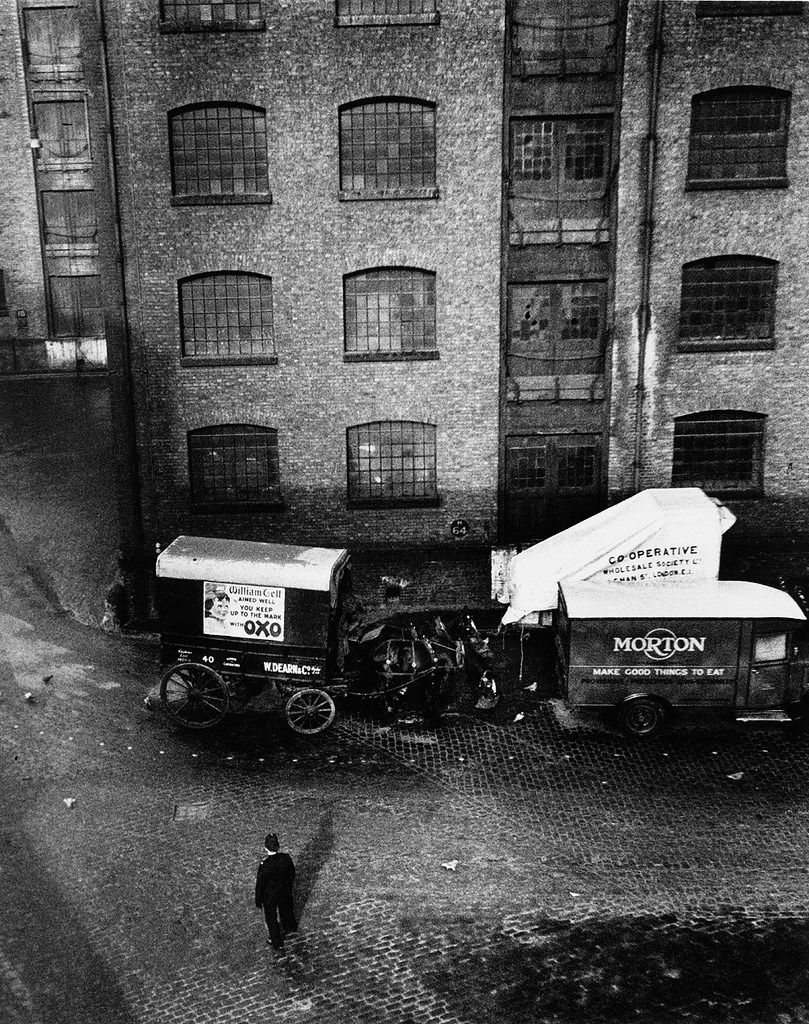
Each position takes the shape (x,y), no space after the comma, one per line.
(271,842)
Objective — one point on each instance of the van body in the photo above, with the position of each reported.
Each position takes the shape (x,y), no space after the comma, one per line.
(646,650)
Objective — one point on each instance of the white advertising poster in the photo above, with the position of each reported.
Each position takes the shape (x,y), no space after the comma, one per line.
(248,613)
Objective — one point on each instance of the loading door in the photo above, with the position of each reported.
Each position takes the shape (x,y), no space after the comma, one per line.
(552,482)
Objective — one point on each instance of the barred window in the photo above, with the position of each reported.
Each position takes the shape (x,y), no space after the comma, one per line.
(225,315)
(63,132)
(565,463)
(76,310)
(387,144)
(556,328)
(739,139)
(199,15)
(69,218)
(565,152)
(392,461)
(719,451)
(389,311)
(219,153)
(234,465)
(52,38)
(728,298)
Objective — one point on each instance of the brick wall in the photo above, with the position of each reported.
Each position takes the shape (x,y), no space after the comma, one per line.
(301,69)
(698,55)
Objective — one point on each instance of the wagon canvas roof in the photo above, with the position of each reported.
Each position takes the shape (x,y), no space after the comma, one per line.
(709,599)
(250,562)
(663,523)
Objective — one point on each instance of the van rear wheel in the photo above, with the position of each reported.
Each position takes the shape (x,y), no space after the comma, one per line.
(642,717)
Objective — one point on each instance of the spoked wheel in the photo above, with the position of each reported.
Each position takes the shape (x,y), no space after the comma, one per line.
(310,711)
(194,695)
(642,716)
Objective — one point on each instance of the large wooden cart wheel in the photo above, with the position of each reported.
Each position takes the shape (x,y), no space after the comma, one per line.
(194,695)
(310,711)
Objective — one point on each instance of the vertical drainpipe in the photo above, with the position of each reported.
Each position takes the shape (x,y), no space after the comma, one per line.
(648,166)
(130,555)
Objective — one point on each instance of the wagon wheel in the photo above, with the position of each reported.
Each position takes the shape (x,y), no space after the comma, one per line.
(310,711)
(194,695)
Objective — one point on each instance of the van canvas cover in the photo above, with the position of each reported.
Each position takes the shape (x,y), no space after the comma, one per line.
(657,535)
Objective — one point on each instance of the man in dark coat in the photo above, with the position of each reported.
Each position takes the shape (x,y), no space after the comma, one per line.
(274,880)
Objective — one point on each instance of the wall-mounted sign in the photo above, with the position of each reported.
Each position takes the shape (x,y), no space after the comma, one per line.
(252,613)
(459,528)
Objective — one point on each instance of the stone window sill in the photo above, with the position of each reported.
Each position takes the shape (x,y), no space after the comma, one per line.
(176,27)
(389,357)
(725,344)
(713,185)
(355,195)
(360,20)
(386,503)
(189,362)
(239,199)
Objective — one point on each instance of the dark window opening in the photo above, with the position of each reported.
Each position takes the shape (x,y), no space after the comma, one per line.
(728,298)
(392,462)
(747,8)
(76,309)
(719,452)
(201,15)
(234,466)
(387,144)
(218,151)
(738,139)
(391,310)
(69,218)
(225,314)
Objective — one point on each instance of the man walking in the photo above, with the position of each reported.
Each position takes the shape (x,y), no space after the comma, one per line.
(274,880)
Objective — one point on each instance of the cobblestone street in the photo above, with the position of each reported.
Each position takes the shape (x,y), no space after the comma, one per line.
(540,869)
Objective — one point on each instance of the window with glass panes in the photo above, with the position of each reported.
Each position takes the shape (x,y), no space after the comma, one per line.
(234,465)
(69,218)
(738,138)
(728,298)
(391,310)
(224,315)
(719,451)
(52,38)
(572,153)
(75,304)
(392,461)
(219,149)
(556,327)
(387,144)
(211,13)
(62,130)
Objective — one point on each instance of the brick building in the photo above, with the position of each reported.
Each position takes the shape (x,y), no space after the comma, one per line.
(438,275)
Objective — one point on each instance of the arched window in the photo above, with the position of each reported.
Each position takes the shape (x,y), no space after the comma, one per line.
(233,466)
(739,138)
(389,312)
(388,145)
(219,153)
(728,301)
(719,451)
(226,315)
(392,462)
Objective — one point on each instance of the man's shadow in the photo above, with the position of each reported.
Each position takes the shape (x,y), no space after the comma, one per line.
(312,858)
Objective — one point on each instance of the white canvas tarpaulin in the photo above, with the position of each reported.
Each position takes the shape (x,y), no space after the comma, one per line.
(658,534)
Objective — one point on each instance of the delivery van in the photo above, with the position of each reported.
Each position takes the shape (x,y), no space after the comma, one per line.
(647,650)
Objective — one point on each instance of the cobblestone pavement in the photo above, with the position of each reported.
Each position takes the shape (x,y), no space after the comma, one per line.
(542,869)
